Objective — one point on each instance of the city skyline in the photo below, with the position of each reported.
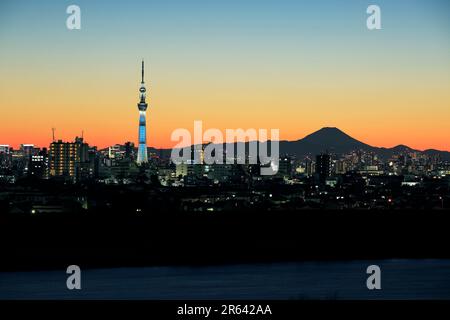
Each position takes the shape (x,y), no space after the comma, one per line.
(297,67)
(124,142)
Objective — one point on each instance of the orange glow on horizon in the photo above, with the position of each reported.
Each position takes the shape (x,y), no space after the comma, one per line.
(105,108)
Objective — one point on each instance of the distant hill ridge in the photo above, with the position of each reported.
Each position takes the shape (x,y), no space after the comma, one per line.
(336,141)
(332,140)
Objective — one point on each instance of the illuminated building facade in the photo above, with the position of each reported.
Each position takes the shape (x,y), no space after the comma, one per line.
(66,157)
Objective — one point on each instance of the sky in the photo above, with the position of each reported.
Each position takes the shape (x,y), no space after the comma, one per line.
(291,65)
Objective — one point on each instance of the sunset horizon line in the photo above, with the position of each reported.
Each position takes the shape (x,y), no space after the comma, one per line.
(102,146)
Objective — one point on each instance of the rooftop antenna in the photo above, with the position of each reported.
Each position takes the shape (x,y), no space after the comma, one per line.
(53,134)
(82,134)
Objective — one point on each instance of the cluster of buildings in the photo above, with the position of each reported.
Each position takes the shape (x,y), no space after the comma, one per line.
(411,165)
(76,162)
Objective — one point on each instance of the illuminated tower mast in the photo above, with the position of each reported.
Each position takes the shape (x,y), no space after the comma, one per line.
(142,106)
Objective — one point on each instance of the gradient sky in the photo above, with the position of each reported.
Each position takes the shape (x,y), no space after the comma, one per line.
(293,65)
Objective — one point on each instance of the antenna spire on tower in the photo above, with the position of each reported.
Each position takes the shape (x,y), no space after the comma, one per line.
(142,70)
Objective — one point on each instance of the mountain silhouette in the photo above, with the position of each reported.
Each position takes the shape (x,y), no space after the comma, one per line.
(330,140)
(333,140)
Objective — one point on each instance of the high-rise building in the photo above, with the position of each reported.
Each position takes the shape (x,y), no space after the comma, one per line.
(341,167)
(38,165)
(285,167)
(5,157)
(129,150)
(4,148)
(142,106)
(323,166)
(27,149)
(310,167)
(66,158)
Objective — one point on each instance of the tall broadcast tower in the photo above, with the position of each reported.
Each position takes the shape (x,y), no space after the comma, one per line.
(142,106)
